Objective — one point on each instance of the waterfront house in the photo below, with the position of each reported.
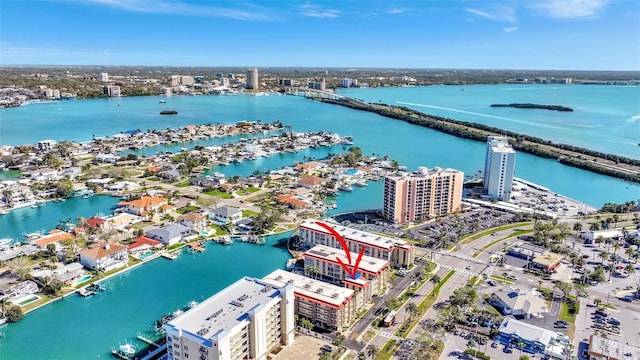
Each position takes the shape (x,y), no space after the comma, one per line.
(225,214)
(72,172)
(519,302)
(144,205)
(193,220)
(311,182)
(66,273)
(143,244)
(55,236)
(121,221)
(170,234)
(105,257)
(292,202)
(310,168)
(12,288)
(95,222)
(123,186)
(44,174)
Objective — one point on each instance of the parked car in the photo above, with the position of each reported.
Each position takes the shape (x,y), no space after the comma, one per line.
(495,344)
(511,277)
(561,324)
(492,282)
(626,298)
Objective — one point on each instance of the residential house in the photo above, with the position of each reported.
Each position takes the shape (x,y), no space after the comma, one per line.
(143,244)
(292,202)
(44,174)
(95,222)
(105,257)
(311,167)
(311,182)
(226,214)
(193,220)
(12,288)
(144,205)
(107,158)
(55,236)
(170,234)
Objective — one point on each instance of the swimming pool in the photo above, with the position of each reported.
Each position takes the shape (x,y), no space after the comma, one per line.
(203,233)
(83,279)
(145,255)
(26,300)
(350,171)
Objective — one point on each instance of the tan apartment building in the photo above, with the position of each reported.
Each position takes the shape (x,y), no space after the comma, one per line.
(421,195)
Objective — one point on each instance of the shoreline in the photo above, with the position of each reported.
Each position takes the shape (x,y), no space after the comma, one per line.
(597,162)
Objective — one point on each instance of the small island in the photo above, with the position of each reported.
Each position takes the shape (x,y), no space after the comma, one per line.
(168,112)
(534,106)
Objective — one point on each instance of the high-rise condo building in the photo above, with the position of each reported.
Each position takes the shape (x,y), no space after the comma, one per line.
(103,76)
(499,166)
(421,195)
(252,79)
(246,320)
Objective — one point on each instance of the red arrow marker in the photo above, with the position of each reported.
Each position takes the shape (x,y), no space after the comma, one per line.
(352,272)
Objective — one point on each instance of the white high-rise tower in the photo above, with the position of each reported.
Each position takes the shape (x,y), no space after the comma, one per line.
(499,166)
(252,79)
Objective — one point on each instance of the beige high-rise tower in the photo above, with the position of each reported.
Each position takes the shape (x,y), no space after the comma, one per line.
(423,194)
(252,79)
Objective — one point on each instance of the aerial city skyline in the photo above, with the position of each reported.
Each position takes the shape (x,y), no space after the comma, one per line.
(549,34)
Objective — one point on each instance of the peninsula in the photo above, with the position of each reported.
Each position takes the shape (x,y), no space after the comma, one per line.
(534,106)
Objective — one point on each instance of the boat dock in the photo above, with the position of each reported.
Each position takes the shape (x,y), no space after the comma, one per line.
(229,239)
(147,340)
(170,255)
(84,292)
(196,247)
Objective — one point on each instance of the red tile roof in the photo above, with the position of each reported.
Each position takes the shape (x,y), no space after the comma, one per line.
(53,237)
(142,240)
(102,250)
(287,199)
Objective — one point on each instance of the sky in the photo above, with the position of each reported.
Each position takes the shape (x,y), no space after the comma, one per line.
(462,34)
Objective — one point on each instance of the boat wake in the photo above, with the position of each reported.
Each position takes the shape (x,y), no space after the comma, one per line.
(483,115)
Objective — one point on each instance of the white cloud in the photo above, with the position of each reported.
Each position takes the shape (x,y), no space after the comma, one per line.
(498,13)
(510,29)
(249,12)
(396,11)
(317,11)
(571,9)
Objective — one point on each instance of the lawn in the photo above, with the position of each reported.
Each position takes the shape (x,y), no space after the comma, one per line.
(218,193)
(566,313)
(247,190)
(249,213)
(477,236)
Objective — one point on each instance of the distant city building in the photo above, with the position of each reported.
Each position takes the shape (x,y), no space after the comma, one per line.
(421,195)
(323,304)
(175,80)
(111,90)
(246,320)
(285,82)
(499,167)
(608,348)
(399,253)
(103,76)
(187,80)
(347,83)
(317,85)
(252,79)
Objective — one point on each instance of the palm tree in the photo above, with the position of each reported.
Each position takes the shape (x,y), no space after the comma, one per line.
(412,309)
(630,269)
(603,255)
(616,247)
(372,350)
(435,279)
(629,251)
(577,227)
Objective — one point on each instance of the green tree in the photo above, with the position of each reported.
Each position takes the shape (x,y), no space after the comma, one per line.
(435,279)
(13,312)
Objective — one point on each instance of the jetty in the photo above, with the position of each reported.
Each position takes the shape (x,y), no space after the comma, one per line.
(170,255)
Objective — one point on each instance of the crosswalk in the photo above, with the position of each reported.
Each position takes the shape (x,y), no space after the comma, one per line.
(461,271)
(388,335)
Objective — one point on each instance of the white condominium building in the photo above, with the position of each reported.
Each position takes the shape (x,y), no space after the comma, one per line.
(499,166)
(421,195)
(326,305)
(246,320)
(322,261)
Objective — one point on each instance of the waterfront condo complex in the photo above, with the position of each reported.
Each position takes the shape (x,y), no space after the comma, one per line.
(399,253)
(326,305)
(246,320)
(422,194)
(499,166)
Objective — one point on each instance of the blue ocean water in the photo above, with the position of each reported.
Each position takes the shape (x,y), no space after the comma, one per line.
(605,118)
(88,328)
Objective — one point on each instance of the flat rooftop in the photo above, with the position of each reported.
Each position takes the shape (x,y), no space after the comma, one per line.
(367,263)
(310,288)
(356,235)
(612,349)
(548,258)
(226,309)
